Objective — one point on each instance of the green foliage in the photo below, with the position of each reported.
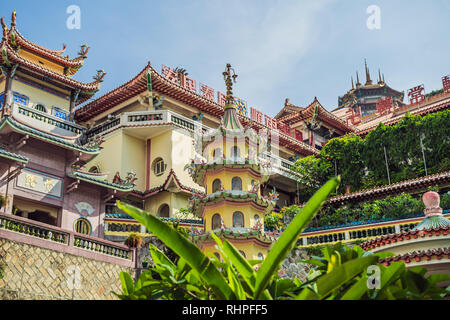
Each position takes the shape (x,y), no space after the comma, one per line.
(341,272)
(274,221)
(345,154)
(362,163)
(390,207)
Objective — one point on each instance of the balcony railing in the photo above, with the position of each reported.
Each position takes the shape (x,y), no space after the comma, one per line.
(32,232)
(146,118)
(282,166)
(47,122)
(359,232)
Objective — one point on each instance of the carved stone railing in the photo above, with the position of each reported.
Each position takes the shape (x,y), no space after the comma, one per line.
(47,122)
(39,234)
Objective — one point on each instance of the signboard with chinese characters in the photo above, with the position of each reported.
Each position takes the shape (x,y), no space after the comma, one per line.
(41,183)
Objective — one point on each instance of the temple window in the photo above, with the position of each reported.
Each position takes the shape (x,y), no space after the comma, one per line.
(83,226)
(242,253)
(20,99)
(216,185)
(257,218)
(236,183)
(94,169)
(216,221)
(217,153)
(163,211)
(40,107)
(159,166)
(235,152)
(238,219)
(260,256)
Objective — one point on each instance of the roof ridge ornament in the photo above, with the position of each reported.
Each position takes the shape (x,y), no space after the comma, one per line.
(229,76)
(13,19)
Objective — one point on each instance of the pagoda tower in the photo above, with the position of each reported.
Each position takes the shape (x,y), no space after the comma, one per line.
(231,172)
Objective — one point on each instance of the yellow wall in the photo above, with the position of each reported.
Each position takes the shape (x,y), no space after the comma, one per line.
(226,211)
(161,147)
(182,154)
(226,176)
(250,249)
(42,62)
(36,95)
(133,159)
(109,160)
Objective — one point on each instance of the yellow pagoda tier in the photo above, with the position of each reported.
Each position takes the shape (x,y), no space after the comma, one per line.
(228,167)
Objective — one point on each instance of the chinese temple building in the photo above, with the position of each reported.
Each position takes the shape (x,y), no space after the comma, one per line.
(42,150)
(152,119)
(314,124)
(362,98)
(231,173)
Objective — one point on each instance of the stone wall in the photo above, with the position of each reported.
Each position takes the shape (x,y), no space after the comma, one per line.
(35,273)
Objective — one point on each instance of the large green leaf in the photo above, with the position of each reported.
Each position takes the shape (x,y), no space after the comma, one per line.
(340,275)
(182,247)
(288,238)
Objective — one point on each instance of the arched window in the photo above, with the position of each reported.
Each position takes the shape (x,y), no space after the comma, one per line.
(159,166)
(257,218)
(83,226)
(238,219)
(216,220)
(242,253)
(94,169)
(163,211)
(236,183)
(40,107)
(216,185)
(260,256)
(235,152)
(217,153)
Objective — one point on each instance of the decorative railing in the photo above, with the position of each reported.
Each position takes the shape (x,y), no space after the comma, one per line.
(101,247)
(50,120)
(103,127)
(359,232)
(167,117)
(55,238)
(277,162)
(32,229)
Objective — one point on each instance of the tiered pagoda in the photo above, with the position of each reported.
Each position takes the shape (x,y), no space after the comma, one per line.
(362,98)
(231,173)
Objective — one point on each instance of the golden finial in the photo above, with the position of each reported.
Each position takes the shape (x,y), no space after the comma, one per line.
(229,74)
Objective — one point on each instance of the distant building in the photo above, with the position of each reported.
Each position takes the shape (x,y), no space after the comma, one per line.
(362,99)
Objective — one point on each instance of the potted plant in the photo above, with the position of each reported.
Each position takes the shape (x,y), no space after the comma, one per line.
(134,241)
(145,263)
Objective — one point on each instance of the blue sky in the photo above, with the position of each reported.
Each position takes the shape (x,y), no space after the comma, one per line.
(279,49)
